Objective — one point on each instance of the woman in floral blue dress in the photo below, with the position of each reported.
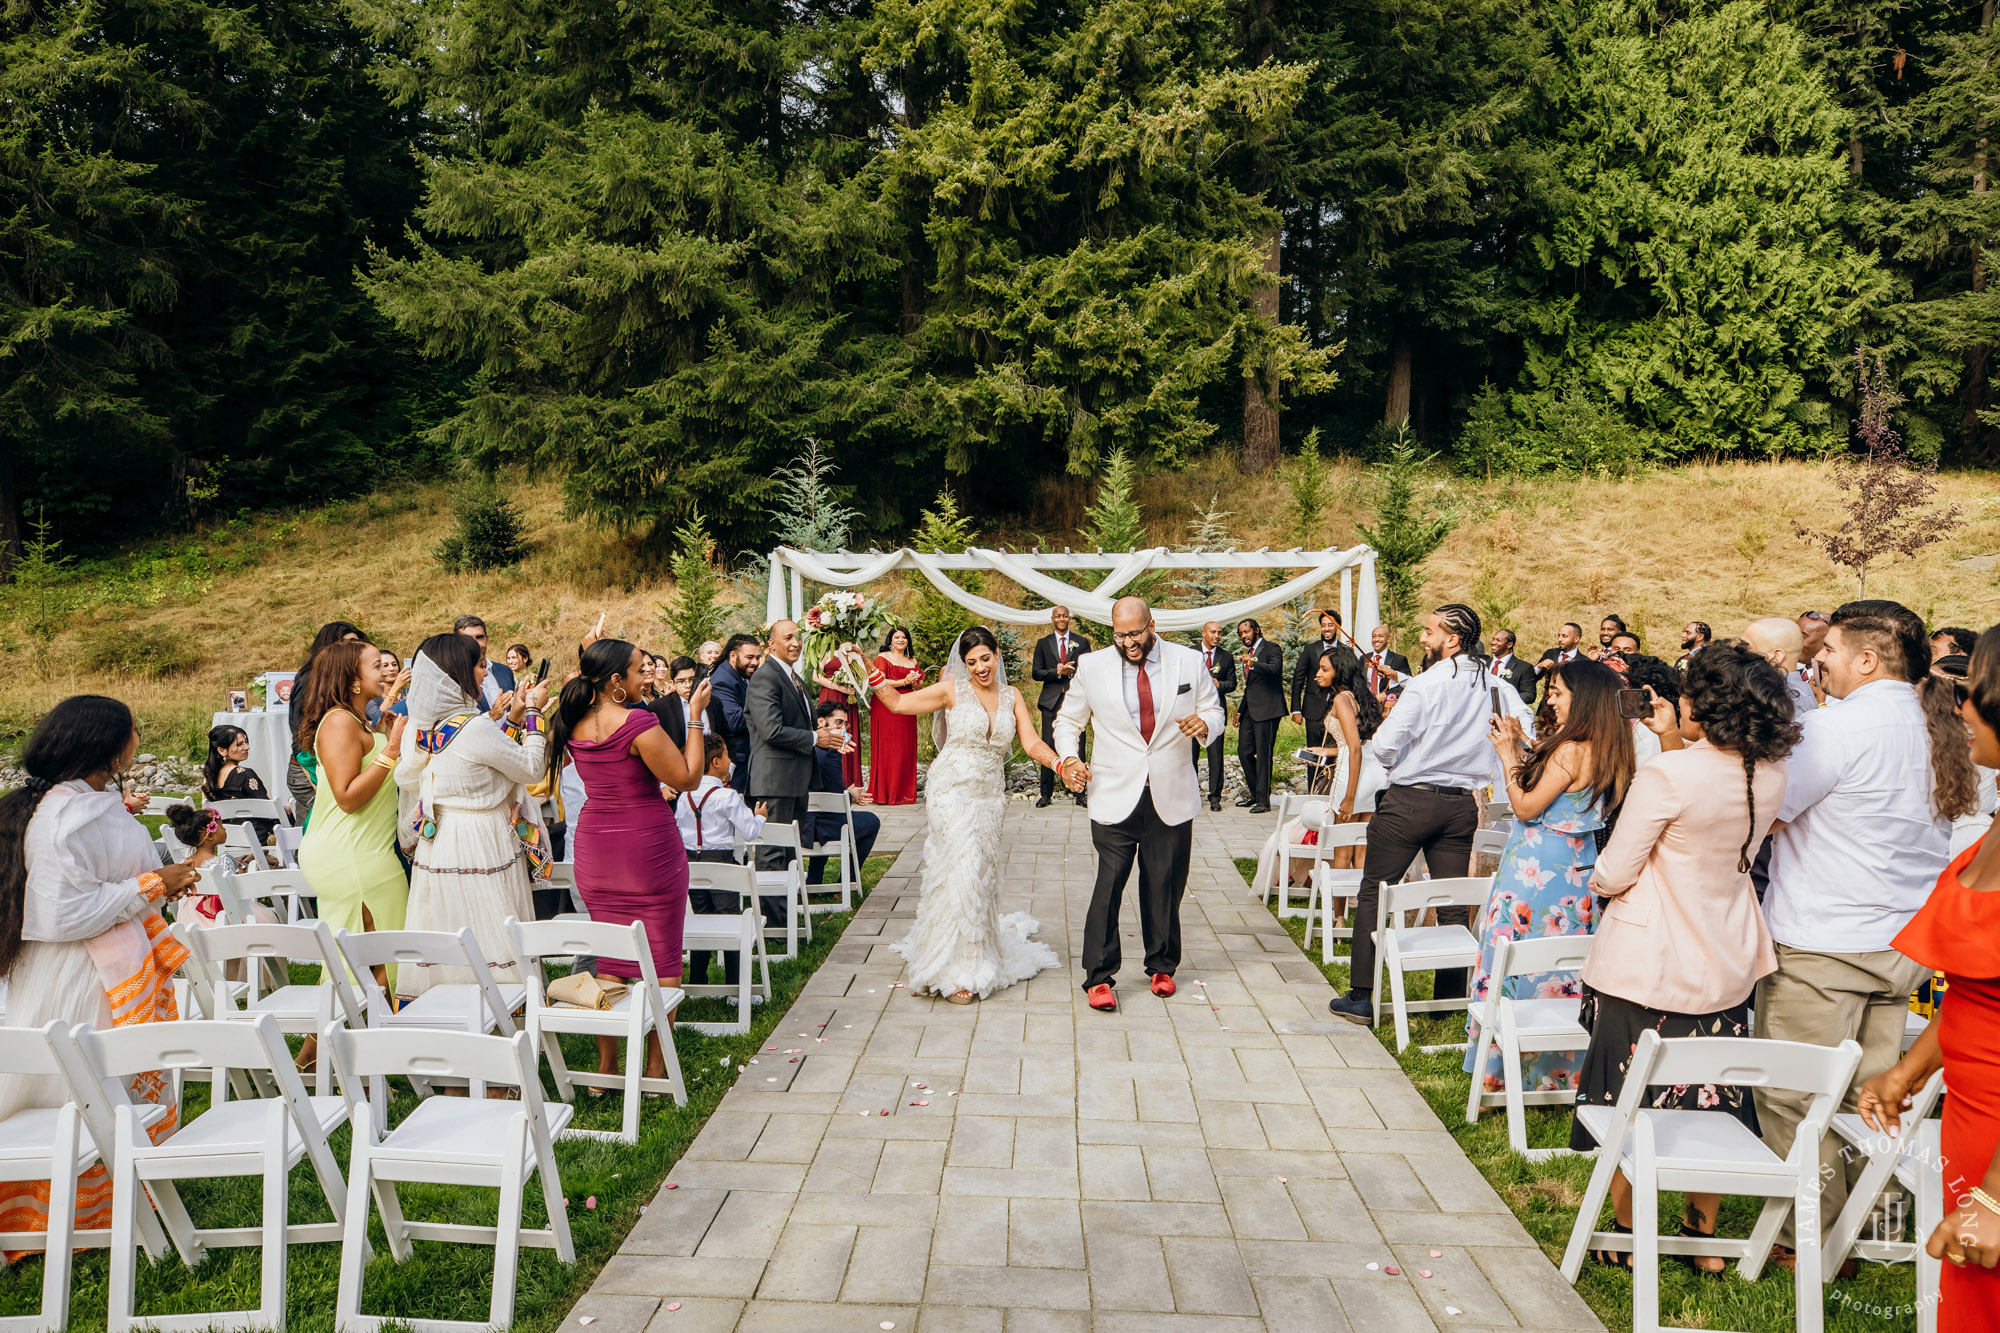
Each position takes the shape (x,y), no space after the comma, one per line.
(1563,790)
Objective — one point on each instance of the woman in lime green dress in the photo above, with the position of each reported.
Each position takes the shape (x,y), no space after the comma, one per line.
(349,852)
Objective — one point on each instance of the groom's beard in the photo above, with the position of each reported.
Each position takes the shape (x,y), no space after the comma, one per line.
(1145,649)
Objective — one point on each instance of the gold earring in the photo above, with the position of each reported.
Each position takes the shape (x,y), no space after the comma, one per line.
(357,687)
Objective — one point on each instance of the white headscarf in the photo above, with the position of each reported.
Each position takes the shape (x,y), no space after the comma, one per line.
(433,697)
(955,670)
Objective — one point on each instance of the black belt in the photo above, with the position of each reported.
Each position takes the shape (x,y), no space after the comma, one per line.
(1433,788)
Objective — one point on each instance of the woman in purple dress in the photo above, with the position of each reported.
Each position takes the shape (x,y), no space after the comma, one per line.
(630,864)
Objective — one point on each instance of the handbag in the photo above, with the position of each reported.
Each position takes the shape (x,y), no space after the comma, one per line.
(582,990)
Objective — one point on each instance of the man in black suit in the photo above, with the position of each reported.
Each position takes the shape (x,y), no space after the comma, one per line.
(783,735)
(1567,639)
(1505,666)
(1263,665)
(1222,670)
(1054,665)
(1386,669)
(731,679)
(1309,701)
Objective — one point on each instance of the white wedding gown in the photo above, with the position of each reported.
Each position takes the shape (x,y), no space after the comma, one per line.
(960,940)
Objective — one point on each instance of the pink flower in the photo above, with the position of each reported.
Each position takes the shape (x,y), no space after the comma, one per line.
(1707,1097)
(1530,834)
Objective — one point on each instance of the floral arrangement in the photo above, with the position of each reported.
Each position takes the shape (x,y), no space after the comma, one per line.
(843,616)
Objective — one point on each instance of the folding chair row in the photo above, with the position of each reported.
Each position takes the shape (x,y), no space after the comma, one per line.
(1912,1158)
(788,883)
(1402,948)
(843,846)
(741,933)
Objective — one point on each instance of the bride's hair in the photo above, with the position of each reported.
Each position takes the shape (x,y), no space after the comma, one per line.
(977,637)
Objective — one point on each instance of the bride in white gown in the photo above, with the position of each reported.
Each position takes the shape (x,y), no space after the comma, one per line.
(961,947)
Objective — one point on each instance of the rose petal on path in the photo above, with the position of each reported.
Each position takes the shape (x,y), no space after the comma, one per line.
(1284,1180)
(1373,1267)
(673,1305)
(590,1202)
(1393,1271)
(1453,1309)
(672,1186)
(587,1319)
(1437,1254)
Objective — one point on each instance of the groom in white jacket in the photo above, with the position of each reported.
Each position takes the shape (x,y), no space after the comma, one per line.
(1147,698)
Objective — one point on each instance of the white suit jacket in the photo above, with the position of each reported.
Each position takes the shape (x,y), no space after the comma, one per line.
(1124,765)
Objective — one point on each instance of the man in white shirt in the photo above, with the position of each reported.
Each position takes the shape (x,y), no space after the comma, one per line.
(1434,744)
(1859,846)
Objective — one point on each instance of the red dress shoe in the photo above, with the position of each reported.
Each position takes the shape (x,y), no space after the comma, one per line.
(1101,997)
(1163,985)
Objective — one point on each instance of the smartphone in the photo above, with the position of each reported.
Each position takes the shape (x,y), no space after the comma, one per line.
(542,672)
(1633,704)
(1496,702)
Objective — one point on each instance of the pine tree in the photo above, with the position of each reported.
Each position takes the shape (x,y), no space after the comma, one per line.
(1699,282)
(625,232)
(1207,535)
(1403,535)
(937,620)
(1082,261)
(694,616)
(1114,524)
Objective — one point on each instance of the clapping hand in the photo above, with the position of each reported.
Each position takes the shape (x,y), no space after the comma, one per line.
(501,705)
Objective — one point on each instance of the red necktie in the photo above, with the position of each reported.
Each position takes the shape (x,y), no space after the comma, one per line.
(1145,704)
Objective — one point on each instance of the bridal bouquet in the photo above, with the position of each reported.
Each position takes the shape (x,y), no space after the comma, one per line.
(844,617)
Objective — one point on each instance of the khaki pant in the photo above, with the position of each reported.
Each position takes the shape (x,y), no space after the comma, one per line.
(1824,999)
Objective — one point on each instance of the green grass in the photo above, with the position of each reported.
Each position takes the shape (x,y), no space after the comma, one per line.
(1545,1197)
(444,1281)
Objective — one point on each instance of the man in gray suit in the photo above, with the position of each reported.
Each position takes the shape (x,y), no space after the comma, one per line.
(782,737)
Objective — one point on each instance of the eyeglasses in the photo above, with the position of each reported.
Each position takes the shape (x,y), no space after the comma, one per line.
(1136,636)
(1812,615)
(1960,694)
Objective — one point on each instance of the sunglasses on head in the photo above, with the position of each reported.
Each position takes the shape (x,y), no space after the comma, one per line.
(1812,615)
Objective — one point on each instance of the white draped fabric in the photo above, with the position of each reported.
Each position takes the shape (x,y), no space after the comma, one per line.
(1093,604)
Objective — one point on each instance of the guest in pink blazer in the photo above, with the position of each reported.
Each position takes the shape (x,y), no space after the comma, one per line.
(1681,941)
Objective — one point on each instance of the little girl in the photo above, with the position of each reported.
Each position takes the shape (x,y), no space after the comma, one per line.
(202,831)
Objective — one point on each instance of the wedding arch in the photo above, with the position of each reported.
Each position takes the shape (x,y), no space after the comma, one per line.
(1360,610)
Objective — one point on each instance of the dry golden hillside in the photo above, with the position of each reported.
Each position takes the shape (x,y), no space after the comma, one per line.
(1709,542)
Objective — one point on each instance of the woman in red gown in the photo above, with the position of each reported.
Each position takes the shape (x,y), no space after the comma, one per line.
(1958,932)
(831,692)
(892,757)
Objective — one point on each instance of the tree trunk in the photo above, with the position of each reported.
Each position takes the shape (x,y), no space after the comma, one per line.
(10,514)
(1260,411)
(1396,406)
(1977,355)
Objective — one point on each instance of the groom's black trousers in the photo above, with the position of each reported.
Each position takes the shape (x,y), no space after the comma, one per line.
(1163,851)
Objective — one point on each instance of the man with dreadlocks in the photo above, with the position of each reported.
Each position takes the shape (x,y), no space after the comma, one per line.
(1435,748)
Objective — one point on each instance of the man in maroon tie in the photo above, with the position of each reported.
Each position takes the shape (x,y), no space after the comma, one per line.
(1054,664)
(1221,669)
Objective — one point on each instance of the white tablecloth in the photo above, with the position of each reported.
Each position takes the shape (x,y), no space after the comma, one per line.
(270,731)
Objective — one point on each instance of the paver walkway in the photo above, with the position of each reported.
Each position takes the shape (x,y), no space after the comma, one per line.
(1228,1159)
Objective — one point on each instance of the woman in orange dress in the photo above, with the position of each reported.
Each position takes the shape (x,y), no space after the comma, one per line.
(892,748)
(1958,933)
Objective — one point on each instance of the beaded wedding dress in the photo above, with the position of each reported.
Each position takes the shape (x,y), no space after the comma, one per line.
(960,940)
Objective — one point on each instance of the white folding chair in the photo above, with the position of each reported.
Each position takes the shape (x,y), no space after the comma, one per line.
(449,1141)
(1328,882)
(262,1137)
(233,812)
(48,1143)
(1290,805)
(740,933)
(476,1006)
(1903,1158)
(789,883)
(300,1011)
(1401,949)
(1488,842)
(285,888)
(835,803)
(1709,1152)
(285,840)
(1500,815)
(158,802)
(643,1009)
(562,875)
(1526,1025)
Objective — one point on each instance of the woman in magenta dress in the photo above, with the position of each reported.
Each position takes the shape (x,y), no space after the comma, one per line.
(830,691)
(630,864)
(892,755)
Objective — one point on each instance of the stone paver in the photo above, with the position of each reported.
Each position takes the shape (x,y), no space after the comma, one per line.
(1229,1159)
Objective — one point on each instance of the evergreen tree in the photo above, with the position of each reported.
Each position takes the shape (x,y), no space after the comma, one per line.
(1088,260)
(937,620)
(1208,534)
(695,615)
(1404,535)
(1946,237)
(625,234)
(1114,525)
(1699,280)
(185,190)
